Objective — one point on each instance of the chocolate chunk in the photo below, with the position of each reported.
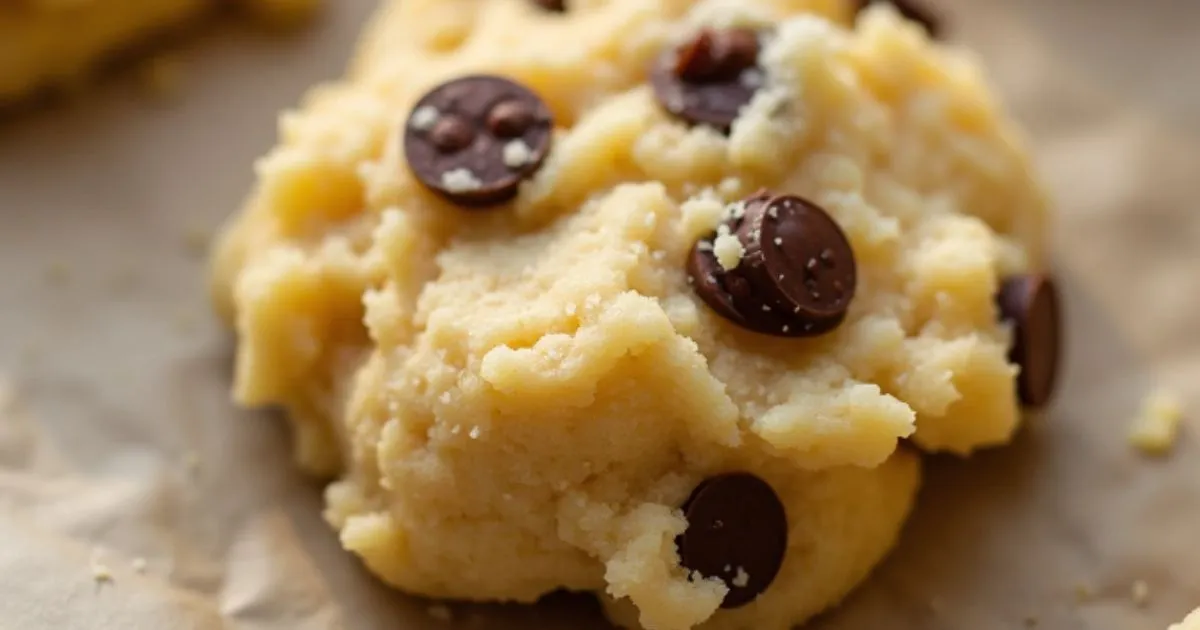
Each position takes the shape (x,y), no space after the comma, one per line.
(737,532)
(1031,304)
(796,276)
(557,6)
(914,11)
(473,140)
(711,78)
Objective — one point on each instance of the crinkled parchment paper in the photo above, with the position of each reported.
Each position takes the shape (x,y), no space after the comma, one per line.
(133,496)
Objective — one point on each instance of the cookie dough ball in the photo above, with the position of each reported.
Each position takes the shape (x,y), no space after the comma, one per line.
(517,287)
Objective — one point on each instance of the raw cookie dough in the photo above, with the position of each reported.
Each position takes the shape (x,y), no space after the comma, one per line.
(1191,623)
(522,397)
(55,42)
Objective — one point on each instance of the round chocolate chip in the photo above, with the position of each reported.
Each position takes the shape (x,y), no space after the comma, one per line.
(557,6)
(1031,304)
(710,78)
(912,10)
(474,139)
(737,532)
(796,275)
(451,133)
(511,118)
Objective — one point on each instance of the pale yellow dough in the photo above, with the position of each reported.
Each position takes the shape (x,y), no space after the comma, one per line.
(1191,623)
(56,43)
(520,399)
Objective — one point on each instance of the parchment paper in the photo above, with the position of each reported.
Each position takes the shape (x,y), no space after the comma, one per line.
(133,496)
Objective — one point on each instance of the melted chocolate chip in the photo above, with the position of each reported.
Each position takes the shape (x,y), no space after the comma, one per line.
(737,532)
(1031,304)
(710,78)
(556,6)
(796,276)
(474,139)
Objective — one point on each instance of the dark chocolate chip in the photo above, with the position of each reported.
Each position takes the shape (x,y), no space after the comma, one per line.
(797,274)
(473,140)
(511,118)
(710,78)
(451,134)
(557,6)
(737,532)
(1031,304)
(914,11)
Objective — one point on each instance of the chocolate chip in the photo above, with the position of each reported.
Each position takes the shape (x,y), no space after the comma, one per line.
(737,532)
(796,276)
(710,78)
(914,11)
(451,133)
(511,118)
(474,139)
(1031,304)
(557,6)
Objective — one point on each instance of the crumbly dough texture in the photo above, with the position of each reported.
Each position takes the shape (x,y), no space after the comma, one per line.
(57,42)
(519,399)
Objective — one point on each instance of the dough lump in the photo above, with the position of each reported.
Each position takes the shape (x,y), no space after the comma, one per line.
(520,399)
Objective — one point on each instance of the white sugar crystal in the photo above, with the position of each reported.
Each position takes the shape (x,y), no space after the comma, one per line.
(460,180)
(424,118)
(742,579)
(517,154)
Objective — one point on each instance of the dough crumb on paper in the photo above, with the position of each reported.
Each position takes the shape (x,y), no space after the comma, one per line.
(1156,427)
(138,565)
(101,574)
(1140,591)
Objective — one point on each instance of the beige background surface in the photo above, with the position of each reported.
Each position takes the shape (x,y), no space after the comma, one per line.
(118,443)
